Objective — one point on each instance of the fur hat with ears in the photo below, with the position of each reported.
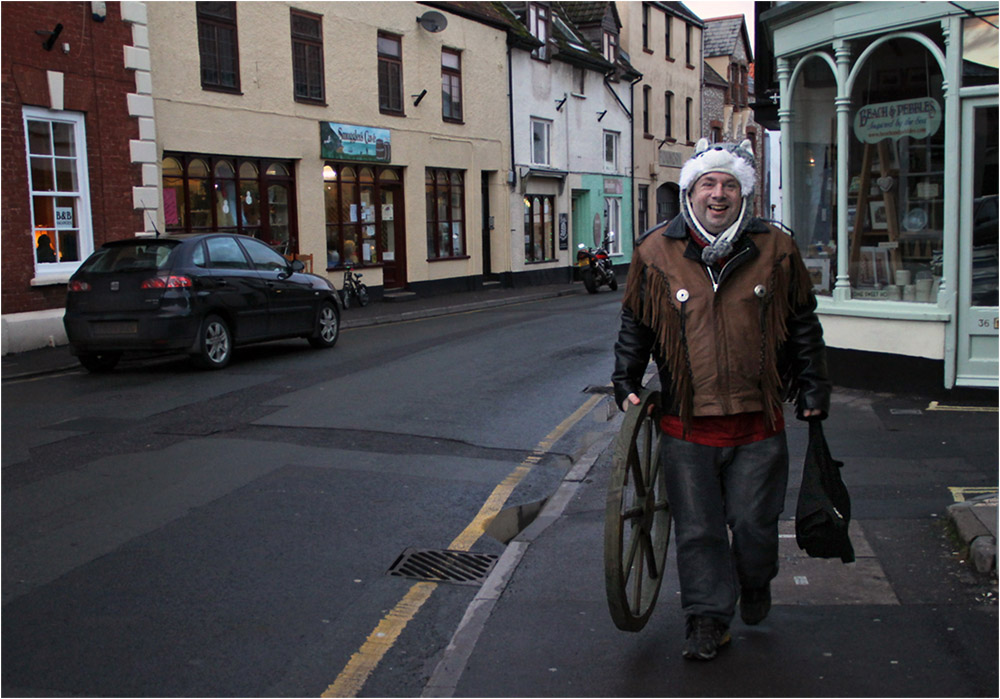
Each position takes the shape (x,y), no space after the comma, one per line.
(732,159)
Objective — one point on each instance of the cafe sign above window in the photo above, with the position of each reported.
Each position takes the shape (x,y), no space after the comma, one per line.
(349,142)
(916,118)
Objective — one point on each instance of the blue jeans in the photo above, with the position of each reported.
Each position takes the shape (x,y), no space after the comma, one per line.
(716,489)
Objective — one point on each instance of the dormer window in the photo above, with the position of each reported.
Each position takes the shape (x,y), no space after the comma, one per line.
(611,46)
(539,19)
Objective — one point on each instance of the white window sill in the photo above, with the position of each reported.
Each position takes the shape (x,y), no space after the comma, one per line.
(51,278)
(896,310)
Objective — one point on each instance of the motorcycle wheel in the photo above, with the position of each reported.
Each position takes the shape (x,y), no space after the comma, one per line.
(612,281)
(587,275)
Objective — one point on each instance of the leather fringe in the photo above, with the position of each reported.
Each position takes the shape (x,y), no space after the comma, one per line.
(788,289)
(649,296)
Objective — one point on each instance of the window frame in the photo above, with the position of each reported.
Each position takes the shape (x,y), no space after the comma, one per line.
(646,91)
(449,78)
(307,43)
(432,192)
(615,140)
(205,20)
(609,44)
(643,207)
(668,115)
(84,227)
(540,27)
(342,228)
(389,60)
(547,130)
(613,214)
(548,235)
(666,37)
(646,16)
(263,180)
(688,104)
(687,45)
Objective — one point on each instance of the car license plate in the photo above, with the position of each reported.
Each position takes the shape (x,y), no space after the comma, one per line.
(124,327)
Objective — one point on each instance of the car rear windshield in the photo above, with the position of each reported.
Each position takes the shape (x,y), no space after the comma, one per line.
(130,257)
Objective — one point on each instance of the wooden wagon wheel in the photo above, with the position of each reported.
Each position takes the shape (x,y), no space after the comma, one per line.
(637,518)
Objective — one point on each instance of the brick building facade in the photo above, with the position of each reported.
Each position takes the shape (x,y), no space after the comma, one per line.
(69,175)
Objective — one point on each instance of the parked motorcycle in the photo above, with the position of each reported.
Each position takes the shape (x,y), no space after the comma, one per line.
(596,268)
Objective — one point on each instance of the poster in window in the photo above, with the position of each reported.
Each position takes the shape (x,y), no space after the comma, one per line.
(170,207)
(880,220)
(819,273)
(64,217)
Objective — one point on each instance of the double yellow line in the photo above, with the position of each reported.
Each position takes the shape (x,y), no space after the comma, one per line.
(361,665)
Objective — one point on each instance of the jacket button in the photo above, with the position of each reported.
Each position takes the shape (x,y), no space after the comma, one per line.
(759,291)
(682,295)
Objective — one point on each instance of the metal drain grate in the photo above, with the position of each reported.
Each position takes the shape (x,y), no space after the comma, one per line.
(445,566)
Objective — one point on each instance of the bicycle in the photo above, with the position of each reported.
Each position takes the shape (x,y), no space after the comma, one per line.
(353,286)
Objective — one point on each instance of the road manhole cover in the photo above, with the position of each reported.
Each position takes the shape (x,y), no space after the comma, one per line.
(445,566)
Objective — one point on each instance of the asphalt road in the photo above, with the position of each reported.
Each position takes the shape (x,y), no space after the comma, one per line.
(173,532)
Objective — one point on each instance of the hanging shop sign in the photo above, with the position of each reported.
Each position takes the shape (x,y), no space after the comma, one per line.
(350,142)
(917,118)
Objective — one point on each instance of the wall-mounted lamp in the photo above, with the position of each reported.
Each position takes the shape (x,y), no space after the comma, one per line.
(52,36)
(600,115)
(417,98)
(560,103)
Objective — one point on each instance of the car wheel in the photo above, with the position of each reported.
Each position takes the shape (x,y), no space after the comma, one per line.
(327,326)
(99,362)
(215,344)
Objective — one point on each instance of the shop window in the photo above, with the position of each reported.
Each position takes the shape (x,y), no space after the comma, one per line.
(811,184)
(896,162)
(390,74)
(643,207)
(218,47)
(61,232)
(445,196)
(307,56)
(613,223)
(539,228)
(203,193)
(358,202)
(451,85)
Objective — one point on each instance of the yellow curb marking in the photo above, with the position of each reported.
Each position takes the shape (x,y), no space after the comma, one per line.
(361,665)
(963,493)
(934,405)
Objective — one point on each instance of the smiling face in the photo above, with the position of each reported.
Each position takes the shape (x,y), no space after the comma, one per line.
(716,200)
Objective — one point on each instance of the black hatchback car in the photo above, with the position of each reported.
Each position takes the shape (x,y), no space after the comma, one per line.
(200,294)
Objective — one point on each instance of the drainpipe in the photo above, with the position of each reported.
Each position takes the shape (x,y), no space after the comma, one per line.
(513,165)
(631,140)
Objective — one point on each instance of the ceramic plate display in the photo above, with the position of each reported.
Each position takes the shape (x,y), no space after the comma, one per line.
(916,220)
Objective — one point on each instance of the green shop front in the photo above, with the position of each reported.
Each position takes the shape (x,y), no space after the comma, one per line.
(888,118)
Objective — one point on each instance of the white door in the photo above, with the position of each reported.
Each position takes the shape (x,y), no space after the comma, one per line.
(978,319)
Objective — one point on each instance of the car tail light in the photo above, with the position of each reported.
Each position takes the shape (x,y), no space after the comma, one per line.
(77,285)
(174,281)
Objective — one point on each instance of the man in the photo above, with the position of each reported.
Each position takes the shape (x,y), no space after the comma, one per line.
(724,304)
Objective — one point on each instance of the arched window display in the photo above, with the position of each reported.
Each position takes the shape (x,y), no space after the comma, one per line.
(813,182)
(895,214)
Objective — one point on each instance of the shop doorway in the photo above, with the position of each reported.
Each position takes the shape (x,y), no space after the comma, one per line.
(393,236)
(978,319)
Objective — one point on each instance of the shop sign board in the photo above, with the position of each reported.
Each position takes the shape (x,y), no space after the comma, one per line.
(915,118)
(350,142)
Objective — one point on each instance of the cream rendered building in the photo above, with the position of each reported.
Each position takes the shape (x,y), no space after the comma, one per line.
(664,43)
(350,151)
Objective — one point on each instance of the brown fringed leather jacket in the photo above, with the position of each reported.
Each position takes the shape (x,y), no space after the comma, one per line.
(734,341)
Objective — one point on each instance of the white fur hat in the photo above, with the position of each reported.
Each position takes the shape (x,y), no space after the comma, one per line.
(732,159)
(735,160)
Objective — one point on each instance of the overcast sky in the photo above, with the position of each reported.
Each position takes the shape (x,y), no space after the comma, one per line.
(707,9)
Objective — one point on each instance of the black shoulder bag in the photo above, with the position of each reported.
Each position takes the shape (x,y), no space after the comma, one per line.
(824,507)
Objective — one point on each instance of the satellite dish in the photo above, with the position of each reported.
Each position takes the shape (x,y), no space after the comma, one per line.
(433,21)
